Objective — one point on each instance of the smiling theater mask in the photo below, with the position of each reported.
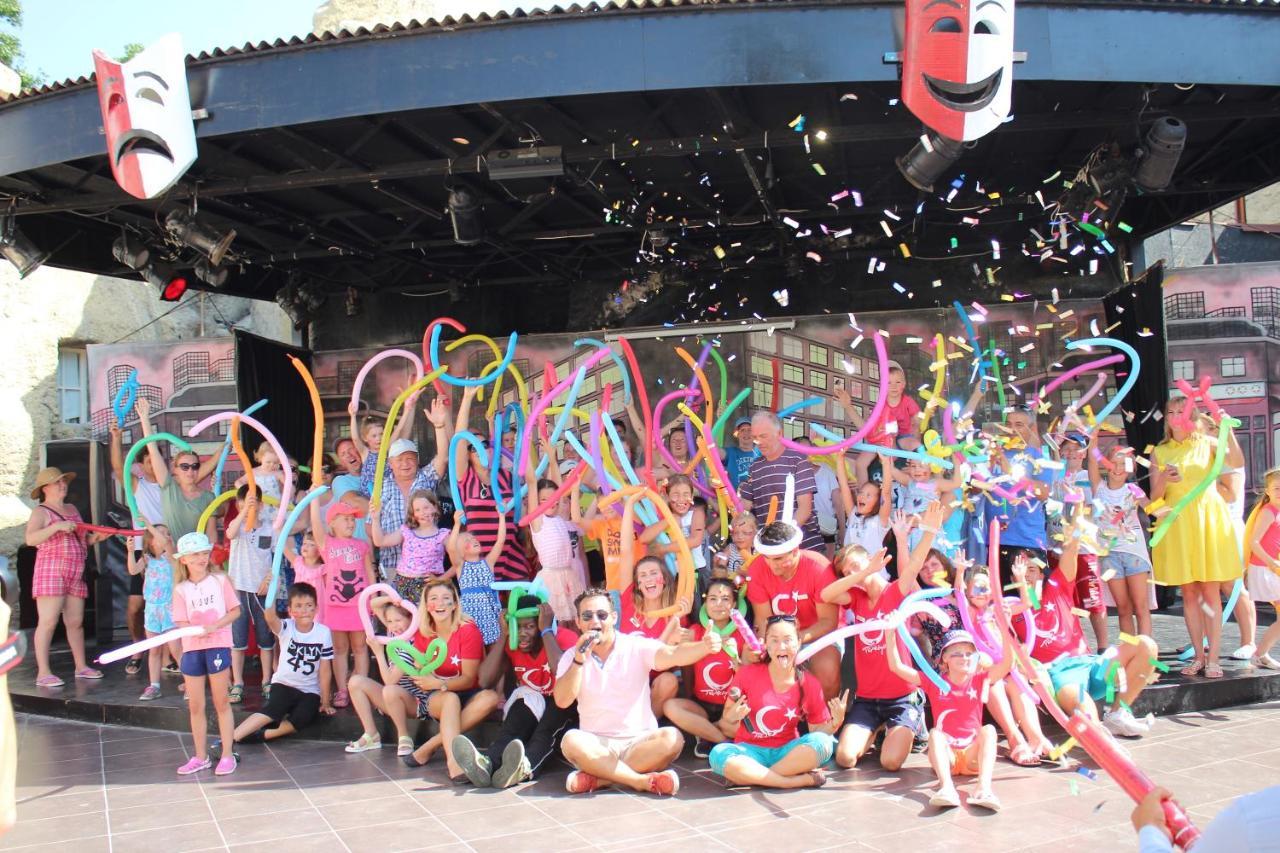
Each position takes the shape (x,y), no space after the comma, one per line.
(957,65)
(146,112)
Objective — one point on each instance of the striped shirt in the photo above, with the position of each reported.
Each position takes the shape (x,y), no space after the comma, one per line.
(482,521)
(768,478)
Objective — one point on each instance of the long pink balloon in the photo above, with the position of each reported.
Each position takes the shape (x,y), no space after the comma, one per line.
(882,356)
(1076,371)
(287,494)
(368,365)
(656,439)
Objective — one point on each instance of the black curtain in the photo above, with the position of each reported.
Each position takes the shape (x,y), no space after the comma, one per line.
(1131,310)
(263,370)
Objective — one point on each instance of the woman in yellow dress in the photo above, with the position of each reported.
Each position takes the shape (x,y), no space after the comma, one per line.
(1199,552)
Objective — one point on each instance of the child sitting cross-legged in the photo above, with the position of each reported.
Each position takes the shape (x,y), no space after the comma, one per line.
(959,744)
(302,683)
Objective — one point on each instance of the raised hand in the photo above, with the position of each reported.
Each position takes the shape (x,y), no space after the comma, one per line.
(438,412)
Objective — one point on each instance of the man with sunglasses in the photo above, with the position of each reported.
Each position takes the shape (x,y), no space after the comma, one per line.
(618,740)
(181,497)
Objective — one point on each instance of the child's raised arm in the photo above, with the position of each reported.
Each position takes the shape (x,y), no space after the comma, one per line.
(317,525)
(886,490)
(357,440)
(894,659)
(495,553)
(382,538)
(929,524)
(846,493)
(134,566)
(451,544)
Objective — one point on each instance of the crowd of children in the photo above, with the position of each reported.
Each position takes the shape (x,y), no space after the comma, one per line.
(449,647)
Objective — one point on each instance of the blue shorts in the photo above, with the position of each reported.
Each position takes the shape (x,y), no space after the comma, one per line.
(205,661)
(767,756)
(251,609)
(1086,673)
(1124,565)
(871,714)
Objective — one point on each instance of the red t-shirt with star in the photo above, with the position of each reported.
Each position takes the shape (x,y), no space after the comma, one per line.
(533,671)
(958,713)
(632,622)
(799,596)
(870,659)
(905,414)
(465,643)
(713,675)
(774,716)
(1057,629)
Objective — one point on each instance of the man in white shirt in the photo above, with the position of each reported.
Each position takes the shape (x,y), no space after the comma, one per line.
(618,739)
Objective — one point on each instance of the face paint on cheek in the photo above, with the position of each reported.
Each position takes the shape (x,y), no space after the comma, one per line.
(957,65)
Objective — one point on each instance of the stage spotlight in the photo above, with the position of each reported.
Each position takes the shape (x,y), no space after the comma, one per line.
(170,284)
(18,250)
(928,159)
(464,210)
(1160,154)
(130,251)
(202,236)
(211,275)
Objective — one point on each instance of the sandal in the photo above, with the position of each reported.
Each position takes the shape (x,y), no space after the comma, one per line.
(365,743)
(266,691)
(404,746)
(341,699)
(985,800)
(1213,670)
(1024,757)
(133,667)
(49,681)
(1193,668)
(819,777)
(236,695)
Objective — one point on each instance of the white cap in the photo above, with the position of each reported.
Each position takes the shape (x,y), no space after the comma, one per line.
(402,445)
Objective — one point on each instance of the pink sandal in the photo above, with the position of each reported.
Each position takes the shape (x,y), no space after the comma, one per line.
(49,681)
(1193,668)
(341,699)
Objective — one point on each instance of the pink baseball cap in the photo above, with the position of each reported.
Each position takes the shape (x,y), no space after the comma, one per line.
(337,508)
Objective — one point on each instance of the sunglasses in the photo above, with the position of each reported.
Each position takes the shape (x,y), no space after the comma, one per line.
(773,620)
(597,615)
(188,466)
(979,590)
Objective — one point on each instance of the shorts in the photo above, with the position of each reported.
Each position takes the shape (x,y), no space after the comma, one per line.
(619,747)
(871,714)
(423,697)
(1087,673)
(563,584)
(199,662)
(829,538)
(1086,593)
(767,756)
(964,760)
(1124,565)
(59,582)
(410,588)
(713,711)
(251,609)
(299,706)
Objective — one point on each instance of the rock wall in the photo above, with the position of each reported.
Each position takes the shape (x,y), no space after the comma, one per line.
(350,14)
(54,307)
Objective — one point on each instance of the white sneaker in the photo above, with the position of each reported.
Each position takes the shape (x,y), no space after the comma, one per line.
(1121,722)
(1244,652)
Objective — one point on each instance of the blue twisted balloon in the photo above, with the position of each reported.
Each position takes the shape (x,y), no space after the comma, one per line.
(1135,367)
(226,449)
(454,478)
(278,558)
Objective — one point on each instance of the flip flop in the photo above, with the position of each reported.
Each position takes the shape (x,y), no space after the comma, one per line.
(133,667)
(945,800)
(1024,757)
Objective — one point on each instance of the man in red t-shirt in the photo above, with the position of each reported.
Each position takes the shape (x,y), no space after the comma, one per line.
(787,581)
(882,698)
(532,723)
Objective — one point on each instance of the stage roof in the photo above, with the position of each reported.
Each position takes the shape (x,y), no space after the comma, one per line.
(686,174)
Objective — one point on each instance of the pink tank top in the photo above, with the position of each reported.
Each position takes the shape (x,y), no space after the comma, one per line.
(421,556)
(1270,541)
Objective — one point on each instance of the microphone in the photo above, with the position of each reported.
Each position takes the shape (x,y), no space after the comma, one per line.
(735,693)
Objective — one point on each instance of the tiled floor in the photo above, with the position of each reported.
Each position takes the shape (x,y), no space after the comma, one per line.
(89,788)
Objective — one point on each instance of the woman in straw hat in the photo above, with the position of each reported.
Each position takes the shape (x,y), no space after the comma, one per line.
(58,583)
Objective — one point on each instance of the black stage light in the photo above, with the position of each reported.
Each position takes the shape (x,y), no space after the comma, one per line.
(927,160)
(170,284)
(130,251)
(464,210)
(18,250)
(1160,154)
(185,226)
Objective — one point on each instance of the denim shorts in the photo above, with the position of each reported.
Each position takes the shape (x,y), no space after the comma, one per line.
(205,662)
(1124,565)
(871,714)
(820,742)
(251,608)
